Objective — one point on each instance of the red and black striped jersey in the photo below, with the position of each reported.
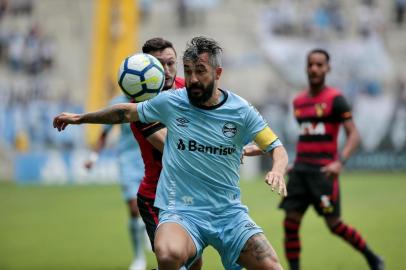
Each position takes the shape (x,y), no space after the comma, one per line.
(319,119)
(151,156)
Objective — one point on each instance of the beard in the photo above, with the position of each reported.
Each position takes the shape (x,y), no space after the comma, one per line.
(199,94)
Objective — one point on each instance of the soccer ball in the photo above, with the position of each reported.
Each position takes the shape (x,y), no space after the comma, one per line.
(141,76)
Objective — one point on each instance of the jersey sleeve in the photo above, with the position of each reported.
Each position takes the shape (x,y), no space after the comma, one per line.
(155,109)
(254,123)
(341,109)
(148,129)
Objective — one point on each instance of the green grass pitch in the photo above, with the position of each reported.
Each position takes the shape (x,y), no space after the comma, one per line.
(85,227)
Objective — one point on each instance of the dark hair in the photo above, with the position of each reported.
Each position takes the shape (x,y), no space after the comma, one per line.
(322,51)
(199,45)
(157,44)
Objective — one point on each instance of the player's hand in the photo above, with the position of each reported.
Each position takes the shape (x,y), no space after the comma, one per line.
(88,164)
(275,179)
(62,120)
(93,157)
(332,169)
(242,156)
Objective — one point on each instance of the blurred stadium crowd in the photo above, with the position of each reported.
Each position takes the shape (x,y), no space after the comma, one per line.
(43,65)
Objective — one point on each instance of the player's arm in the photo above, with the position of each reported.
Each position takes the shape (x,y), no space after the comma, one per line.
(269,143)
(342,111)
(251,150)
(157,139)
(115,114)
(94,155)
(352,142)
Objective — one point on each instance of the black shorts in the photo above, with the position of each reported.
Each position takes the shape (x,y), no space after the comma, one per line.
(312,188)
(149,215)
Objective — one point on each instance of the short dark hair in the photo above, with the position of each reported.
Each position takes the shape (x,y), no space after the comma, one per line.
(322,51)
(199,45)
(157,44)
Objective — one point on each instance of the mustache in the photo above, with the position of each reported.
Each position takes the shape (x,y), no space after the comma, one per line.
(196,85)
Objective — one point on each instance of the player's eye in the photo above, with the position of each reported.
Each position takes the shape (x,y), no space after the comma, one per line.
(200,71)
(171,63)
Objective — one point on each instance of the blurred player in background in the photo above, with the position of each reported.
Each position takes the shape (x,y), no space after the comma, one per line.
(313,180)
(131,174)
(198,193)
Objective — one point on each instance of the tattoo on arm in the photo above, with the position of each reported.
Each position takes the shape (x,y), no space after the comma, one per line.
(110,115)
(120,115)
(259,248)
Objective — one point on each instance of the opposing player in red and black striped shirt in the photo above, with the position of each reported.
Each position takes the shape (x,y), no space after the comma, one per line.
(313,180)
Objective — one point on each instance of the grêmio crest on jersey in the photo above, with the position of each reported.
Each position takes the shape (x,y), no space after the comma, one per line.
(229,129)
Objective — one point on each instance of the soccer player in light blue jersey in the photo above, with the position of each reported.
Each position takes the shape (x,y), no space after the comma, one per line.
(198,191)
(131,168)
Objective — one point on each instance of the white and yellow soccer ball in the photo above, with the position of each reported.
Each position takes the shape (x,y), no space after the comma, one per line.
(141,76)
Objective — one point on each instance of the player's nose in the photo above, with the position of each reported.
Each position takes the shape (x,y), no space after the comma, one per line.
(193,78)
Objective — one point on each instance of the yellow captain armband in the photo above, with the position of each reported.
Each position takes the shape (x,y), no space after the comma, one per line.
(265,138)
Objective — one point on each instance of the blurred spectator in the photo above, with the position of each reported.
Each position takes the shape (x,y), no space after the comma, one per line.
(145,9)
(194,12)
(398,130)
(20,7)
(3,8)
(32,53)
(370,19)
(47,52)
(182,13)
(15,51)
(400,8)
(326,18)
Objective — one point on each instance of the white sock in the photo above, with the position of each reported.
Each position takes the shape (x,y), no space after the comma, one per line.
(137,229)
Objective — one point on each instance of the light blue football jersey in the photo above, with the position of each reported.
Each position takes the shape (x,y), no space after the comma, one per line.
(128,152)
(201,160)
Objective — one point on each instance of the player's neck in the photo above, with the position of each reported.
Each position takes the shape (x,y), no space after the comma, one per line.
(215,99)
(316,89)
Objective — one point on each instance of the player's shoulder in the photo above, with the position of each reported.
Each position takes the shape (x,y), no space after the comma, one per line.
(332,91)
(235,98)
(174,95)
(238,104)
(301,95)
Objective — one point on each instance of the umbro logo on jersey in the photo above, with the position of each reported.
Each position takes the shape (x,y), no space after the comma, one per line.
(182,122)
(250,225)
(229,130)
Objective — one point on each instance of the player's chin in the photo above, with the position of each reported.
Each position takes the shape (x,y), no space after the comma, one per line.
(315,80)
(168,83)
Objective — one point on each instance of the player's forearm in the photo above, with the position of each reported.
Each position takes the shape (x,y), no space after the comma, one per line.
(252,150)
(157,139)
(101,142)
(116,114)
(279,159)
(352,143)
